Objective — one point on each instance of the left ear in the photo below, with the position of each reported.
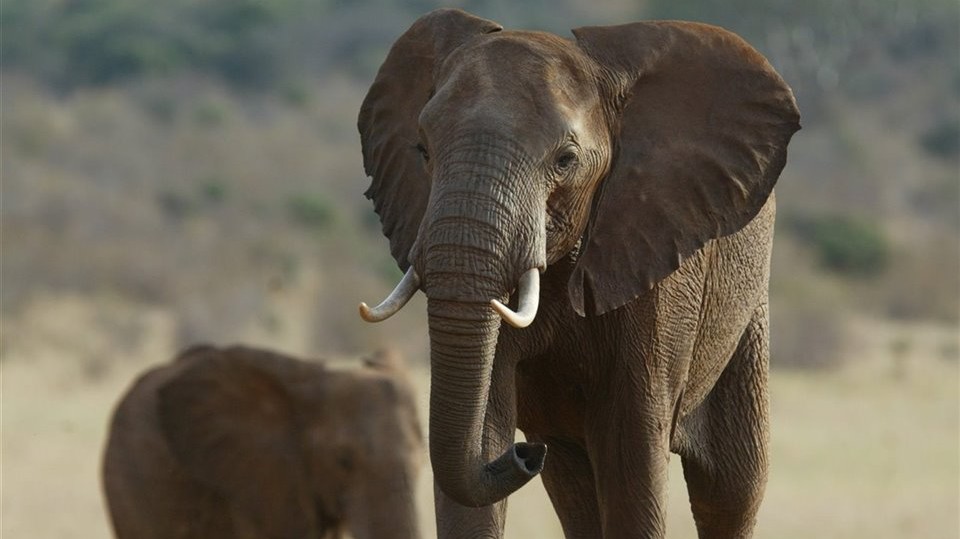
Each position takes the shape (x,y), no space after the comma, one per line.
(704,122)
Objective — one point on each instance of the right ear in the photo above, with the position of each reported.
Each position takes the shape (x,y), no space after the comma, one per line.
(230,422)
(389,121)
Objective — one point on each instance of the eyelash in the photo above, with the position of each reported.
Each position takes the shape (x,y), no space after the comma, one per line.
(566,160)
(423,151)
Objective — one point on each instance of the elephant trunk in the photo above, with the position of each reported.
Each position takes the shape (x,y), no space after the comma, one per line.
(475,461)
(473,249)
(462,439)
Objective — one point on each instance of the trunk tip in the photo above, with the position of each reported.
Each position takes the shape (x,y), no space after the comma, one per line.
(498,479)
(530,457)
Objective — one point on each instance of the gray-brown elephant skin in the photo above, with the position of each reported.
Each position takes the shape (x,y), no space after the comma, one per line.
(241,443)
(631,168)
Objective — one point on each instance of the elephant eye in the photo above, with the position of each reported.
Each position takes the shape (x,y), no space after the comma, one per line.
(423,151)
(566,160)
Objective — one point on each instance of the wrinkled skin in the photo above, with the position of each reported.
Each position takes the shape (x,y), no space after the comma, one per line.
(244,443)
(634,167)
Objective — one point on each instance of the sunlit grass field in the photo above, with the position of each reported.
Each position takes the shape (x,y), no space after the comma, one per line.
(868,450)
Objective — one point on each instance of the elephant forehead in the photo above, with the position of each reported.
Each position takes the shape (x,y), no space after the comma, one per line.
(506,55)
(513,78)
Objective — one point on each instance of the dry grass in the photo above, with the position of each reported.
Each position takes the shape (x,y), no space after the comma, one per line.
(870,450)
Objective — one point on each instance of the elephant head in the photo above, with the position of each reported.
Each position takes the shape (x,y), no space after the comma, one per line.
(296,448)
(494,154)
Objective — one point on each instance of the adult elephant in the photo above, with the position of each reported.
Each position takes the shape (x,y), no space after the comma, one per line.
(628,172)
(241,443)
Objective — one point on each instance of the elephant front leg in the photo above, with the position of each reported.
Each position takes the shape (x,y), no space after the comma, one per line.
(629,448)
(568,479)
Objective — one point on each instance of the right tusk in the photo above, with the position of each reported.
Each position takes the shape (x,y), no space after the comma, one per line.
(529,292)
(395,301)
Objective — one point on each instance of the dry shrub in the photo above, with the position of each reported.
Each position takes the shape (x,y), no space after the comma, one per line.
(102,196)
(924,281)
(806,336)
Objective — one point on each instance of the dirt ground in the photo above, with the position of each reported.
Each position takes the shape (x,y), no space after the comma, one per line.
(869,450)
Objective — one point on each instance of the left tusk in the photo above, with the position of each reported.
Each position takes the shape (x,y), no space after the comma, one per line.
(395,301)
(529,292)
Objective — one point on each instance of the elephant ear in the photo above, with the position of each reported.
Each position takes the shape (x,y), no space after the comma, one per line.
(230,422)
(704,122)
(389,121)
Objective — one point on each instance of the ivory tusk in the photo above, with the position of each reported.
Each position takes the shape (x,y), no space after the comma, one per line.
(405,290)
(529,292)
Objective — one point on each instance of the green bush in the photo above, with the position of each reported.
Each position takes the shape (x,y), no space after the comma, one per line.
(103,41)
(943,139)
(310,211)
(210,114)
(210,192)
(213,191)
(296,95)
(845,245)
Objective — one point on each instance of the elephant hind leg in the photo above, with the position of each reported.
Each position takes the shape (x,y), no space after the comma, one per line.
(725,455)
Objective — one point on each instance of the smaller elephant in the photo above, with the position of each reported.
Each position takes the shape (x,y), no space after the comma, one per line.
(245,443)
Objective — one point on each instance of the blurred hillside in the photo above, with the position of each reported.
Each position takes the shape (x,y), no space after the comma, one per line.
(202,158)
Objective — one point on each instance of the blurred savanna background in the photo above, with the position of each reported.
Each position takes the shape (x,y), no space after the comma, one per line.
(183,171)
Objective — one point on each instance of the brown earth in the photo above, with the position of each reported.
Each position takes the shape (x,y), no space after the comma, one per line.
(870,450)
